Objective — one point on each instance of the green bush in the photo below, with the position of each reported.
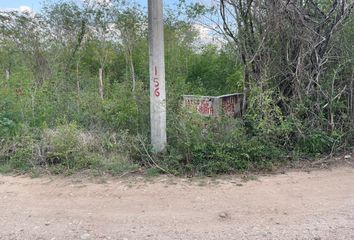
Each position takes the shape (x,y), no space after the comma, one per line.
(68,146)
(17,154)
(213,146)
(118,165)
(67,149)
(318,142)
(7,126)
(10,112)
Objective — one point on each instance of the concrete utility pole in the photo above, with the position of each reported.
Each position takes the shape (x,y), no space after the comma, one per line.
(157,76)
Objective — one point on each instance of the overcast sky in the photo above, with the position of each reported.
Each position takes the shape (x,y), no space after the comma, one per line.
(35,5)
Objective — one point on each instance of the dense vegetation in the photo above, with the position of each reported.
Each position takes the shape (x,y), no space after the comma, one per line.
(74,86)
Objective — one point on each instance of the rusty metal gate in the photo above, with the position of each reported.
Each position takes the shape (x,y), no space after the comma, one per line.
(225,105)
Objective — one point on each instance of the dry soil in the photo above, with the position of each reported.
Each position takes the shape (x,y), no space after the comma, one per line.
(295,205)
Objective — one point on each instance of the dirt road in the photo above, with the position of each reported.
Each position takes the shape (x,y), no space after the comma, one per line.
(297,205)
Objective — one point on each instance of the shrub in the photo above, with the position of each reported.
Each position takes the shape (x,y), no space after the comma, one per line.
(66,149)
(213,146)
(17,154)
(118,165)
(10,112)
(127,110)
(7,126)
(318,142)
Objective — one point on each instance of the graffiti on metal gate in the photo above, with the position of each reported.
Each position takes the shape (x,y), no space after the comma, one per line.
(202,106)
(227,105)
(230,105)
(205,107)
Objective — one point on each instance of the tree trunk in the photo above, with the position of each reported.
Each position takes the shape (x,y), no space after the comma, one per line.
(100,73)
(77,79)
(246,84)
(132,71)
(132,68)
(7,74)
(351,100)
